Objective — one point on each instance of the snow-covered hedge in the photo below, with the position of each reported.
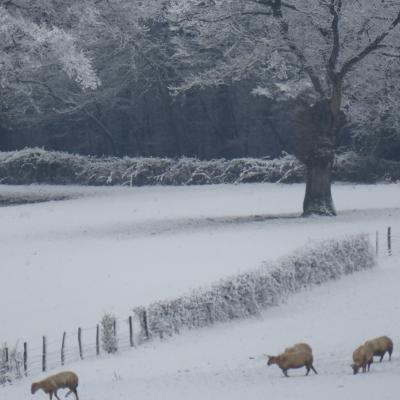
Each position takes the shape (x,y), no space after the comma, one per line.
(41,166)
(51,167)
(247,294)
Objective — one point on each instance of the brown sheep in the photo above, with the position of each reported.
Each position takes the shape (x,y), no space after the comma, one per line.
(363,358)
(295,359)
(298,347)
(62,380)
(381,345)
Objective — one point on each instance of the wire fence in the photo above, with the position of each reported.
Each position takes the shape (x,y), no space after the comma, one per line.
(387,242)
(90,342)
(84,343)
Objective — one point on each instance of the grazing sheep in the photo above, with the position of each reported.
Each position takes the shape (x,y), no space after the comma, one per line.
(362,357)
(294,359)
(381,345)
(52,383)
(298,347)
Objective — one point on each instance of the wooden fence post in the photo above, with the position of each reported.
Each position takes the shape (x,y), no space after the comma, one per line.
(141,314)
(97,339)
(26,358)
(146,325)
(389,240)
(44,354)
(131,331)
(6,357)
(63,348)
(80,343)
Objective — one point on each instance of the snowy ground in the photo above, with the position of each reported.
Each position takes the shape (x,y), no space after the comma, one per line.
(67,262)
(226,361)
(116,248)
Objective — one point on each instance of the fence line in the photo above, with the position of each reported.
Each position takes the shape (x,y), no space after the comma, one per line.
(72,346)
(129,333)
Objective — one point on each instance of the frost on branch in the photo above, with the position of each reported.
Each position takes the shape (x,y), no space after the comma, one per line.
(249,293)
(27,46)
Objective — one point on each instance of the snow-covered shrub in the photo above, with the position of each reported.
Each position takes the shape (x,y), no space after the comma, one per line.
(247,294)
(109,338)
(4,368)
(11,364)
(52,167)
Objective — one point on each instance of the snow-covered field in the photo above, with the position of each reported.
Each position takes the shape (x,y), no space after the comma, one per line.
(67,262)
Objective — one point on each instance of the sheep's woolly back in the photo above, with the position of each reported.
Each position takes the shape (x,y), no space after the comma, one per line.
(381,344)
(298,347)
(66,379)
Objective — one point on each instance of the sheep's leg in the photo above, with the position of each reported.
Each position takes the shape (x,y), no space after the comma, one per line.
(381,357)
(74,391)
(308,370)
(55,394)
(51,395)
(390,354)
(315,371)
(285,373)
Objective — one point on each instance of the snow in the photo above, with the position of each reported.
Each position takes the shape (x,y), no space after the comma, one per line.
(226,362)
(68,262)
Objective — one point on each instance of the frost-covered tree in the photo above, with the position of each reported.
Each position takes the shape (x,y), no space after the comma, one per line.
(27,46)
(35,47)
(136,34)
(325,56)
(128,45)
(376,118)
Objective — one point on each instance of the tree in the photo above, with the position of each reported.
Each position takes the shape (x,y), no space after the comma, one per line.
(318,53)
(131,48)
(376,118)
(34,47)
(129,39)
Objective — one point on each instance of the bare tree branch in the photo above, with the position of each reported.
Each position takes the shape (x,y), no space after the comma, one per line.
(349,64)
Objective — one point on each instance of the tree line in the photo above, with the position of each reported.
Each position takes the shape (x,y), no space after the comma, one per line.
(205,78)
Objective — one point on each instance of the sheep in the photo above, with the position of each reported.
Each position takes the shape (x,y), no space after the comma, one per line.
(61,380)
(381,345)
(298,347)
(293,359)
(362,357)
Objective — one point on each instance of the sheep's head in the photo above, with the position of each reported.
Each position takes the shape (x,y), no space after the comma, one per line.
(271,360)
(34,388)
(355,367)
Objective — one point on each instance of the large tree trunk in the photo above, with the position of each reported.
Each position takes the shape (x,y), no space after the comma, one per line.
(318,197)
(316,141)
